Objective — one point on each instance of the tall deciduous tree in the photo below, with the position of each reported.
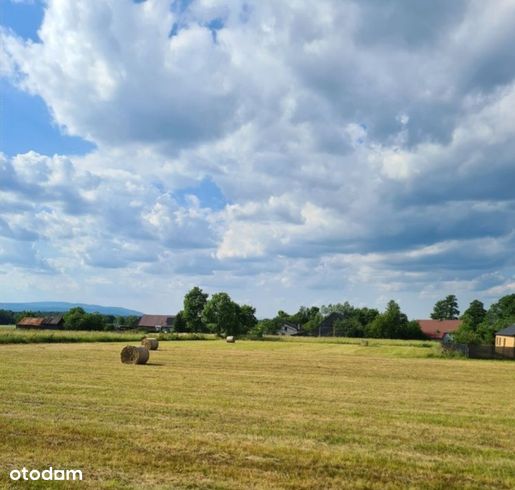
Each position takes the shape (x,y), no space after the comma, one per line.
(194,304)
(248,318)
(222,315)
(393,324)
(446,309)
(78,319)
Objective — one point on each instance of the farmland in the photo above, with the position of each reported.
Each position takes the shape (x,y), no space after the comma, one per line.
(292,414)
(11,335)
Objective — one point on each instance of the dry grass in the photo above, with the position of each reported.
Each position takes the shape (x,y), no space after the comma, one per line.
(12,335)
(292,415)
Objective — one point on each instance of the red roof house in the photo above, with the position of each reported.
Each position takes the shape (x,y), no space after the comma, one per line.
(437,329)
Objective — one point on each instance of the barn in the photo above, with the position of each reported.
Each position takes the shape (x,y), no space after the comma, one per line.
(30,322)
(156,323)
(53,322)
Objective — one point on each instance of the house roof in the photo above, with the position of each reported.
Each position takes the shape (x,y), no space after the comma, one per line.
(53,320)
(507,332)
(32,321)
(155,320)
(438,328)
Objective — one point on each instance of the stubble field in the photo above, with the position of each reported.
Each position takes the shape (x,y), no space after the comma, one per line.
(295,415)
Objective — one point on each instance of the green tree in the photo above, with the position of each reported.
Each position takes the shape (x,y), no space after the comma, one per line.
(499,315)
(311,327)
(78,319)
(366,315)
(355,320)
(179,325)
(502,310)
(222,315)
(393,324)
(469,330)
(194,304)
(349,327)
(446,309)
(345,309)
(247,318)
(304,315)
(74,318)
(94,321)
(266,327)
(7,317)
(131,321)
(474,315)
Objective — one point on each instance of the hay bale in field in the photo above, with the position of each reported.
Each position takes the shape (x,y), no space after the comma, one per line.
(134,355)
(230,339)
(150,343)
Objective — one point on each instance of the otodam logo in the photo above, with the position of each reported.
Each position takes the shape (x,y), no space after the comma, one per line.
(50,474)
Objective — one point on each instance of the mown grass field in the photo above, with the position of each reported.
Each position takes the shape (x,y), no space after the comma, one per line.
(293,415)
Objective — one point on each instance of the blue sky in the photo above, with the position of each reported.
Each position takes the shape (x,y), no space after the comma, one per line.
(287,153)
(25,121)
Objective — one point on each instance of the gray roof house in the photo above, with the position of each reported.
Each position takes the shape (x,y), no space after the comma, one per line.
(156,323)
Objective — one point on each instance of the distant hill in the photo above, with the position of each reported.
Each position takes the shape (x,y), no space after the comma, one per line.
(58,306)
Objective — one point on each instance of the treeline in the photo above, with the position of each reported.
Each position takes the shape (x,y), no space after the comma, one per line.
(78,319)
(8,317)
(346,320)
(219,314)
(75,319)
(478,323)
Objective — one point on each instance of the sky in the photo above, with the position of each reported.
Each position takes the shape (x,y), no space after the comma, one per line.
(288,153)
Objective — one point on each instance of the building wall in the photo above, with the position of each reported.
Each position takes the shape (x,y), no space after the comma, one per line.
(505,345)
(504,341)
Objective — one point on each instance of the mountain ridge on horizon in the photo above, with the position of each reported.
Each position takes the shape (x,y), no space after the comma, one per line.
(63,306)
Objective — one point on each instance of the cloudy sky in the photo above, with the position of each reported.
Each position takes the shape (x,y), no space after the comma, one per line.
(288,152)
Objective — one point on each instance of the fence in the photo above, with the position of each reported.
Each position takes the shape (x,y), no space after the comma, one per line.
(481,351)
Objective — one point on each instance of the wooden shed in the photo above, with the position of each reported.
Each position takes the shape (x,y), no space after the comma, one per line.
(505,342)
(30,322)
(54,322)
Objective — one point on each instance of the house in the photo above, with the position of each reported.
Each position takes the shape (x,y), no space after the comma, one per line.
(288,328)
(439,329)
(156,323)
(505,342)
(327,327)
(53,322)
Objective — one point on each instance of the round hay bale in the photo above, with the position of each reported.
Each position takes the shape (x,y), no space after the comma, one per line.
(134,355)
(150,343)
(230,339)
